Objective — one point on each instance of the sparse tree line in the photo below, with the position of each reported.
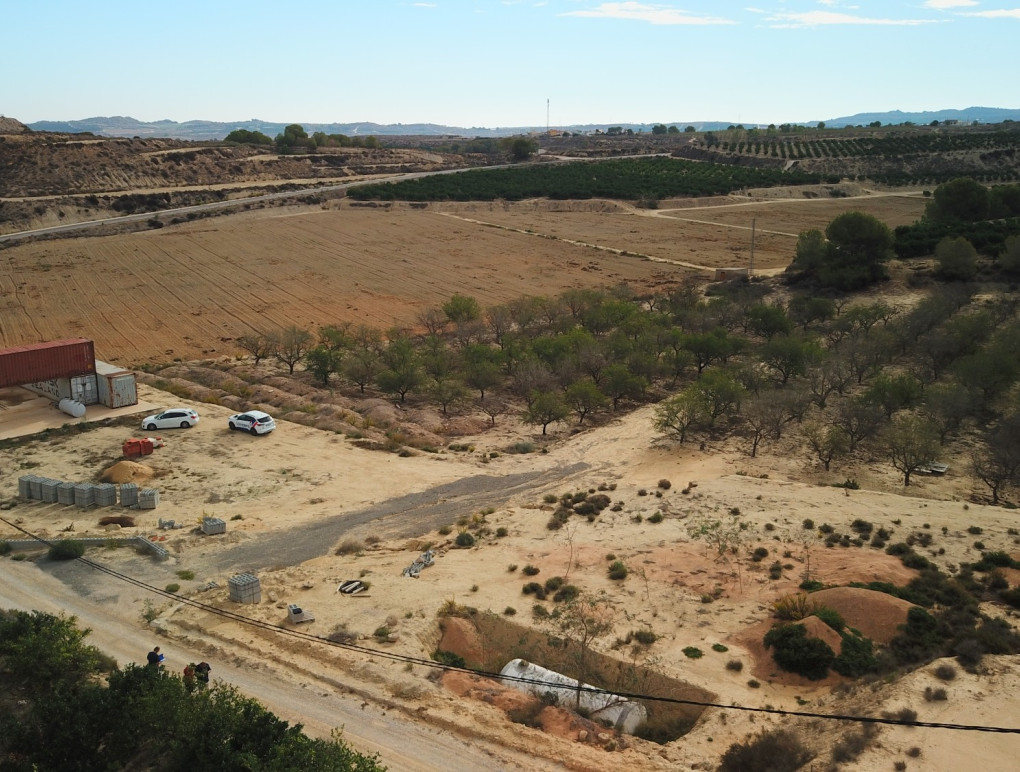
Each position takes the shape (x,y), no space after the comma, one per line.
(847,380)
(294,139)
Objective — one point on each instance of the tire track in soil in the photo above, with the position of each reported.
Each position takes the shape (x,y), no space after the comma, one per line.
(410,516)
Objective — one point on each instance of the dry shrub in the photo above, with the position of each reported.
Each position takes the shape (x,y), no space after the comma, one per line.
(853,744)
(793,607)
(124,521)
(350,547)
(777,750)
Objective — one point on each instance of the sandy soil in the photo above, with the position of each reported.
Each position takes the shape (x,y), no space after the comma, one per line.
(292,497)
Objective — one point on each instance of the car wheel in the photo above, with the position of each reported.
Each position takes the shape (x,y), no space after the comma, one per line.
(185,425)
(150,428)
(254,431)
(231,425)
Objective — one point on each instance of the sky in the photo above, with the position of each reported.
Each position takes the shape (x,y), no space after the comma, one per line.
(505,63)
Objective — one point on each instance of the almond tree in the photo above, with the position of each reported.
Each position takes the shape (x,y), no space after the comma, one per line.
(293,344)
(911,443)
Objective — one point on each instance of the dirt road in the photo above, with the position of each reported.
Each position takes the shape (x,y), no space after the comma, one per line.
(402,743)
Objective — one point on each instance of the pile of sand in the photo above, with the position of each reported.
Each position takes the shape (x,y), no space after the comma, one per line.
(877,615)
(127,472)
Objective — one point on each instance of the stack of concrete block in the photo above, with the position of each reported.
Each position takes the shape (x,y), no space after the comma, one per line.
(65,493)
(48,490)
(148,498)
(84,494)
(25,486)
(211,525)
(245,588)
(106,495)
(129,494)
(35,487)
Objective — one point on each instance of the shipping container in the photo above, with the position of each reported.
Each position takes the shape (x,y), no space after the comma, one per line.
(81,388)
(117,387)
(47,361)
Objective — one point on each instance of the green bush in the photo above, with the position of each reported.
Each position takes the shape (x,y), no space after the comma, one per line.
(553,583)
(646,637)
(831,617)
(618,571)
(448,658)
(566,593)
(534,588)
(692,652)
(67,549)
(5,547)
(856,657)
(530,570)
(464,539)
(795,652)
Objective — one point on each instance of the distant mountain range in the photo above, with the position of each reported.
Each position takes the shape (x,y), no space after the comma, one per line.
(120,126)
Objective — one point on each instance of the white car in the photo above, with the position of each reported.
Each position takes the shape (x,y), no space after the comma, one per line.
(254,421)
(183,417)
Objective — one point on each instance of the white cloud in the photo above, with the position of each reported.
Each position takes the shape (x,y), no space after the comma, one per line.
(826,18)
(1012,13)
(653,14)
(942,5)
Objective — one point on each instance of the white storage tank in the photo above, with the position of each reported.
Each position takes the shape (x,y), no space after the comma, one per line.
(623,714)
(72,407)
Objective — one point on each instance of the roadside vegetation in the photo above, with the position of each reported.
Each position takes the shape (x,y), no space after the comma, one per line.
(67,706)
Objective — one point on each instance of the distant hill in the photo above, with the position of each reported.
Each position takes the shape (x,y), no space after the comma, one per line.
(122,126)
(967,115)
(11,126)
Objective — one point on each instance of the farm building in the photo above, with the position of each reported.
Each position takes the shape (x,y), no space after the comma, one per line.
(67,369)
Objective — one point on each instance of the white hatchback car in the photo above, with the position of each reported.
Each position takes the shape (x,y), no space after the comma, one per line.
(254,421)
(183,417)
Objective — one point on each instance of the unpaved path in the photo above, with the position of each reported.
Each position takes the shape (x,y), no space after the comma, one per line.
(402,743)
(410,516)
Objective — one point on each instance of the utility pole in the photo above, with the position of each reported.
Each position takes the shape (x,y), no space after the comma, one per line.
(547,116)
(750,267)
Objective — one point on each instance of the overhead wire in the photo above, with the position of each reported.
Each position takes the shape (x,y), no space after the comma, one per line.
(429,663)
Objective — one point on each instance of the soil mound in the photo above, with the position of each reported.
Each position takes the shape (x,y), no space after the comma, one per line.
(877,615)
(461,638)
(127,472)
(816,628)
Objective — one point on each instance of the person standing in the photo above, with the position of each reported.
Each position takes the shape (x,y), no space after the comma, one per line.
(189,677)
(202,674)
(154,657)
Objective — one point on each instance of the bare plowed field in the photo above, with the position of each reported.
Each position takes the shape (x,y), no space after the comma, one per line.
(187,291)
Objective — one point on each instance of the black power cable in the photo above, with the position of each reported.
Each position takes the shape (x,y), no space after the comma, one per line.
(514,679)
